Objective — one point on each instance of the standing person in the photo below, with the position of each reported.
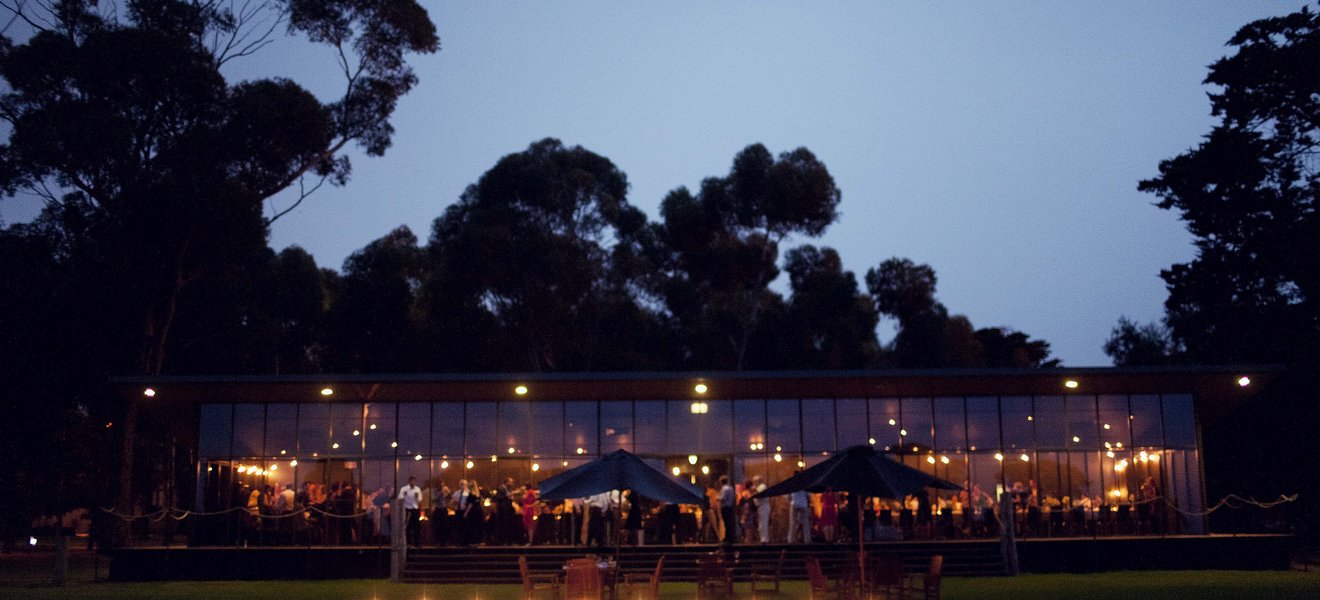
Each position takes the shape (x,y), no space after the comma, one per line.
(762,510)
(474,516)
(746,512)
(410,498)
(633,523)
(529,512)
(799,504)
(460,503)
(728,510)
(829,514)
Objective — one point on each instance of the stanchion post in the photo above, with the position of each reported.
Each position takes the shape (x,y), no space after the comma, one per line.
(398,547)
(1008,533)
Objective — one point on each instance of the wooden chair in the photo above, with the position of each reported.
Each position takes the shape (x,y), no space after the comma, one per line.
(651,581)
(822,588)
(582,580)
(773,576)
(885,575)
(927,585)
(715,575)
(533,583)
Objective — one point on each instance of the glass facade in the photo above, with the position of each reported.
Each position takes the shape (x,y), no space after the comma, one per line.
(1063,447)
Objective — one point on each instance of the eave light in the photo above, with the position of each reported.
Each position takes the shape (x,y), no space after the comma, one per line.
(1070,384)
(520,390)
(151,392)
(700,388)
(327,391)
(1242,381)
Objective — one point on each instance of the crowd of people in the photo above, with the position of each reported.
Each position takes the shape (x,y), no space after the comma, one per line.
(513,514)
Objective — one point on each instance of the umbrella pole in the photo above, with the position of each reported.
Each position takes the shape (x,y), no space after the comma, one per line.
(861,556)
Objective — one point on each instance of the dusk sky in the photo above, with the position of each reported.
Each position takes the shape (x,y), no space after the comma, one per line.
(1001,143)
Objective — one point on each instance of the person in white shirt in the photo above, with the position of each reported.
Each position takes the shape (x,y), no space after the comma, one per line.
(800,516)
(410,497)
(762,510)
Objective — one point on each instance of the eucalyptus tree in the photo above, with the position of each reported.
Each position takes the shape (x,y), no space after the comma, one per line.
(723,244)
(120,114)
(522,269)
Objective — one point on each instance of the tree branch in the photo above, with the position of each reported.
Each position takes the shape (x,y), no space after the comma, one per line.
(303,193)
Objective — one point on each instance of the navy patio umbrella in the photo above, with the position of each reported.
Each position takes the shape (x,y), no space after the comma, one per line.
(860,471)
(619,470)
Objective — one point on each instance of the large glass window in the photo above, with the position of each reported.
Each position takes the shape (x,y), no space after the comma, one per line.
(515,427)
(480,431)
(1179,421)
(447,428)
(885,422)
(1147,429)
(281,430)
(346,429)
(917,423)
(782,425)
(749,425)
(217,430)
(950,424)
(1049,418)
(1082,428)
(1114,420)
(249,429)
(852,421)
(818,425)
(380,430)
(313,430)
(548,431)
(414,428)
(1016,420)
(983,423)
(581,427)
(616,426)
(701,432)
(652,434)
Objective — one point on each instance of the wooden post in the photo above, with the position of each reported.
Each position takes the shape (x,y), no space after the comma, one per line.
(1008,533)
(398,541)
(61,554)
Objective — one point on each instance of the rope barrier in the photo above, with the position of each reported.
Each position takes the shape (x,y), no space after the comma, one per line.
(179,514)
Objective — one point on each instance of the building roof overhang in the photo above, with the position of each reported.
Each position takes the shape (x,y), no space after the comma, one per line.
(1216,388)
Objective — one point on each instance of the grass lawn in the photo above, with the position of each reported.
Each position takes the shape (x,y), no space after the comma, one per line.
(1105,586)
(27,576)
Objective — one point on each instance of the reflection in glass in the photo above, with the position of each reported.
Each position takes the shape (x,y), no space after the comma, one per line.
(1179,421)
(818,425)
(1083,432)
(749,425)
(616,426)
(652,434)
(548,428)
(379,431)
(852,422)
(414,429)
(918,423)
(885,422)
(782,429)
(1147,429)
(1051,431)
(447,429)
(581,427)
(950,424)
(216,430)
(249,429)
(983,423)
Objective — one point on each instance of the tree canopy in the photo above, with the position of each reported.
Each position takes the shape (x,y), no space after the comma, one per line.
(1248,193)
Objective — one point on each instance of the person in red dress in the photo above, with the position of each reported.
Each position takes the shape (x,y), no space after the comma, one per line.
(829,514)
(529,512)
